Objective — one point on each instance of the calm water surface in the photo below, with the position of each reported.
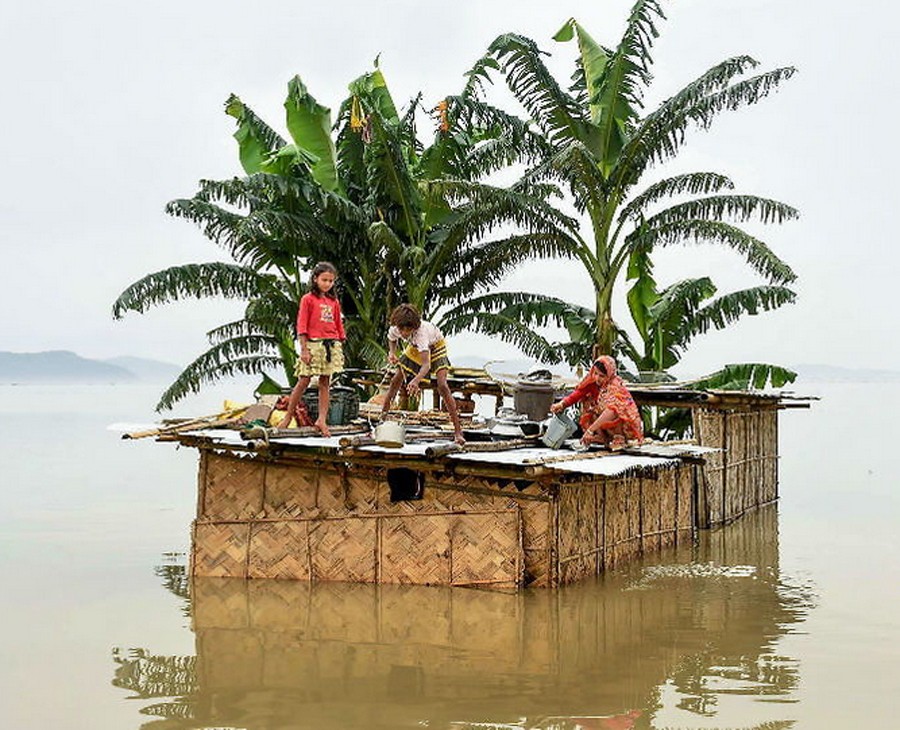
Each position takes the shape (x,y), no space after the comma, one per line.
(787,619)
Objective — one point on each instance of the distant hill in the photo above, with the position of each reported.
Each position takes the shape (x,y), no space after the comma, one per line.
(63,366)
(817,373)
(151,371)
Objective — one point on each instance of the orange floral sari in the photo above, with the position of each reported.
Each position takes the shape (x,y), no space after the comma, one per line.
(613,395)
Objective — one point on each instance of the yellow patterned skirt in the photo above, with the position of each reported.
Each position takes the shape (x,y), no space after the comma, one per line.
(323,362)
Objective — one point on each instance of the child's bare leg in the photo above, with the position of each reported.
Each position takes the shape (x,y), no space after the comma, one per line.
(396,382)
(294,400)
(322,420)
(450,405)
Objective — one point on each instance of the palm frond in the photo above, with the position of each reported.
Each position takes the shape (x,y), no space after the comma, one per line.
(730,307)
(719,207)
(481,139)
(662,133)
(309,124)
(486,207)
(693,183)
(757,254)
(509,329)
(256,139)
(189,281)
(551,108)
(625,75)
(391,185)
(232,330)
(531,310)
(251,355)
(746,376)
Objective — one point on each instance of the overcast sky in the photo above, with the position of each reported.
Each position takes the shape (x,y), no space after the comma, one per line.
(111,109)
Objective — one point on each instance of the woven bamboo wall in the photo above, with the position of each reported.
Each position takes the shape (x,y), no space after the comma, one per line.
(744,475)
(605,523)
(327,521)
(309,521)
(270,652)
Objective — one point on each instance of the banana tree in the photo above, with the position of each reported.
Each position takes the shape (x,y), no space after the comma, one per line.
(432,217)
(401,221)
(668,320)
(600,147)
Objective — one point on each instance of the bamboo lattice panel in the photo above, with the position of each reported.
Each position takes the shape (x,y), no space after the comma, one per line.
(415,549)
(290,491)
(440,549)
(686,495)
(330,493)
(279,550)
(769,466)
(710,428)
(220,549)
(361,488)
(621,538)
(736,423)
(443,549)
(580,539)
(343,549)
(486,549)
(651,508)
(233,488)
(536,542)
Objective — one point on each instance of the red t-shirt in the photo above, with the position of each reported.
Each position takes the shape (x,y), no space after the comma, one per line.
(319,318)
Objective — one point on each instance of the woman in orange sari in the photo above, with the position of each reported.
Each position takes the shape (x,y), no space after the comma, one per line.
(609,415)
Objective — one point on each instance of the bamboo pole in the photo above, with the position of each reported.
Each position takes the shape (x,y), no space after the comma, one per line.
(285,433)
(214,421)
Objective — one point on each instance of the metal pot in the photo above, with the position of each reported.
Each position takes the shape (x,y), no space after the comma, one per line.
(506,430)
(390,434)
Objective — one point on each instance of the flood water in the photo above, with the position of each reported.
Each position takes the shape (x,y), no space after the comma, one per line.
(787,619)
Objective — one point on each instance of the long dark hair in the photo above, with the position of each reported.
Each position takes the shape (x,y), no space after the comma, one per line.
(321,268)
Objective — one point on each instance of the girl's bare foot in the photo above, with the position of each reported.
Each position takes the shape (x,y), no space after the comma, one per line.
(323,428)
(459,439)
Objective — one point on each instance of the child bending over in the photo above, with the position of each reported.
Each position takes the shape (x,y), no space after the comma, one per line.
(425,352)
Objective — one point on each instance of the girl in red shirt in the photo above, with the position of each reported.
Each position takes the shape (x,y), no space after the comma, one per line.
(320,334)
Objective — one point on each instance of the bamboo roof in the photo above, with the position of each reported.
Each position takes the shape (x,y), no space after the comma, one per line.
(533,459)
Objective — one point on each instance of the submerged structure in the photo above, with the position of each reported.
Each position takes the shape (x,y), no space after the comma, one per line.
(338,509)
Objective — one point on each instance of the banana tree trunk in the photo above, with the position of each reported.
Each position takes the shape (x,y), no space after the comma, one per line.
(606,331)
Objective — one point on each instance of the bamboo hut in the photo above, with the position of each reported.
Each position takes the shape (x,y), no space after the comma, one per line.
(308,509)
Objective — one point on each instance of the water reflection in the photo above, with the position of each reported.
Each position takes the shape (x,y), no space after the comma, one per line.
(625,651)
